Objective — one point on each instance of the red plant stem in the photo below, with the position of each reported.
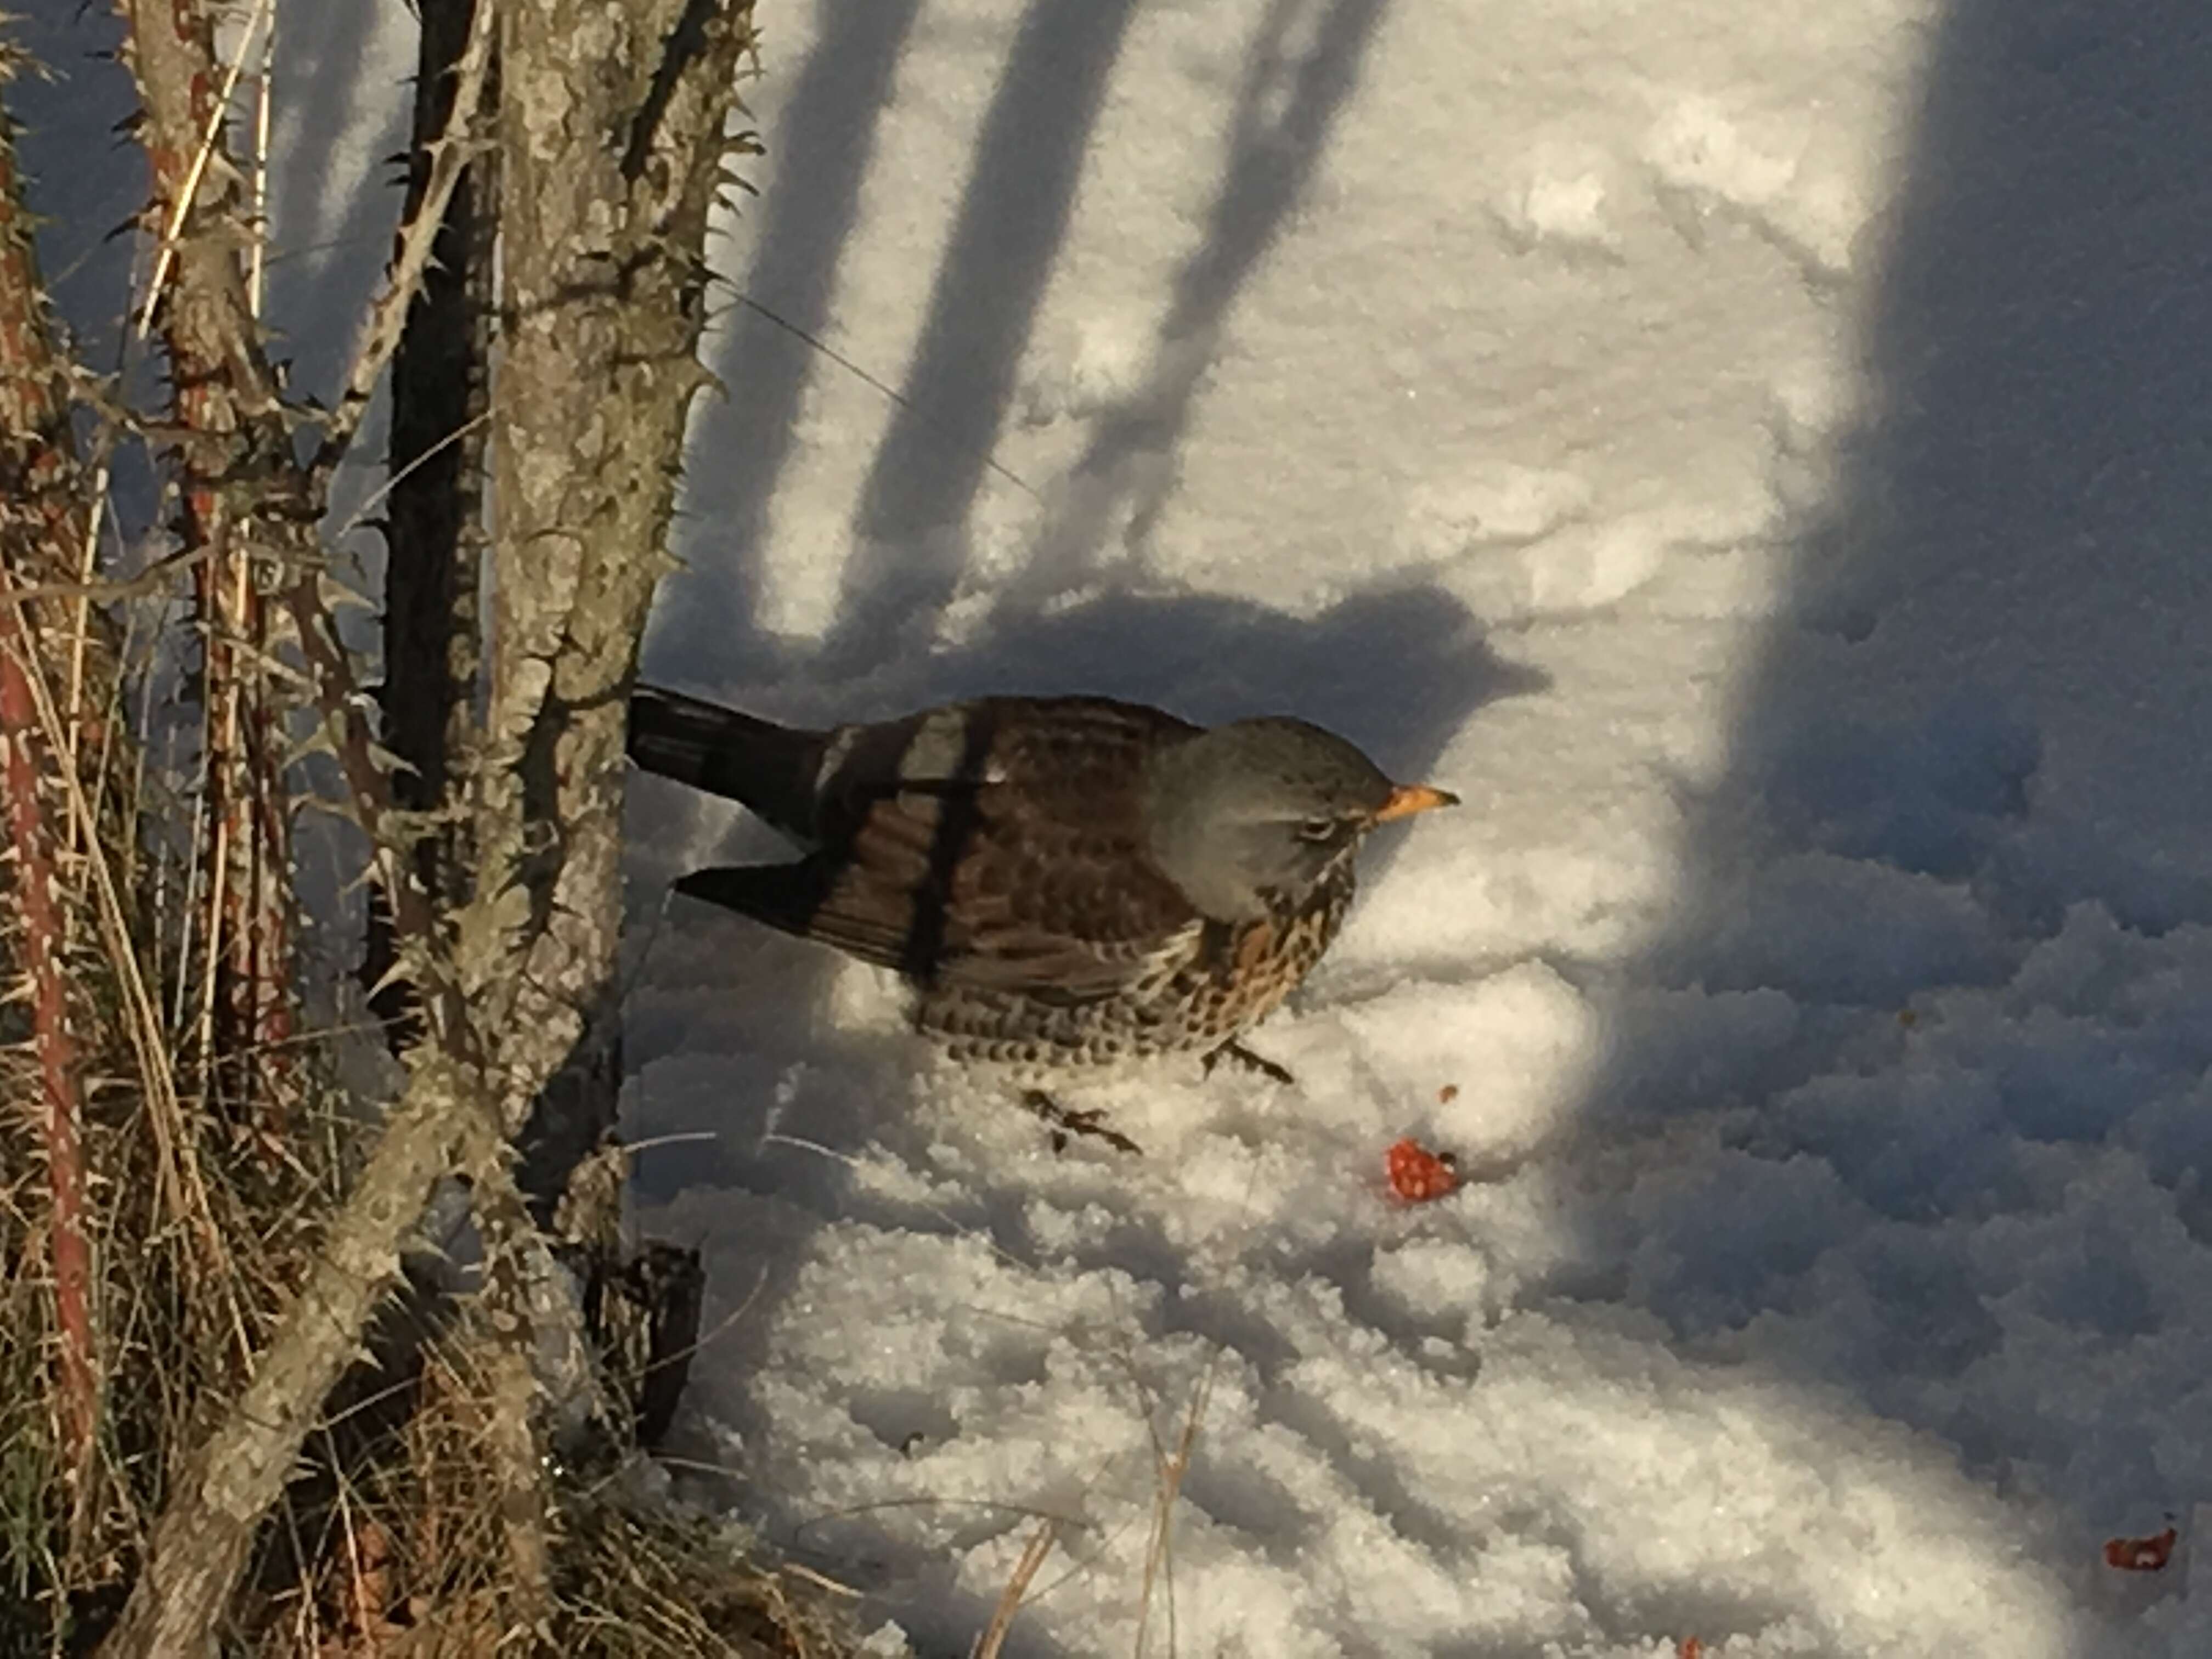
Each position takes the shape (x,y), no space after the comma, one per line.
(36,519)
(37,883)
(225,403)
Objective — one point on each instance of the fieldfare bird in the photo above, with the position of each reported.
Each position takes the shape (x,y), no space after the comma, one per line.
(1066,881)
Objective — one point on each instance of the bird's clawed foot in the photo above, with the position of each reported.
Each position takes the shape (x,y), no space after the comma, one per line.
(1250,1061)
(1066,1122)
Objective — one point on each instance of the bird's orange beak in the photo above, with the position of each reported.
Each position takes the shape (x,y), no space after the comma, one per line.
(1408,799)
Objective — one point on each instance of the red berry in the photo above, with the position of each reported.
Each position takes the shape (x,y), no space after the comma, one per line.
(1418,1174)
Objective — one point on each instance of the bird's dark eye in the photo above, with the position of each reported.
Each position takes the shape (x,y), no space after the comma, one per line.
(1319,829)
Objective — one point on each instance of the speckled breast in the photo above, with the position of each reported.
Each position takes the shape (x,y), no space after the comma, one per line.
(1201,988)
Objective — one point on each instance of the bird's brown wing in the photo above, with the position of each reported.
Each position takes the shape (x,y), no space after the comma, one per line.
(1003,849)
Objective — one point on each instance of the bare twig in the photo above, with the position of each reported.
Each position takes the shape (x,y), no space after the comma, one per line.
(375,498)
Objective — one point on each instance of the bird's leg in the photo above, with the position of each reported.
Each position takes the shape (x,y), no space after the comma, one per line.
(1250,1061)
(1066,1122)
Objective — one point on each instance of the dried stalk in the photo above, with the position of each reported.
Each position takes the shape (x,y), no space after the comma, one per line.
(1159,1548)
(1018,1586)
(183,1186)
(257,271)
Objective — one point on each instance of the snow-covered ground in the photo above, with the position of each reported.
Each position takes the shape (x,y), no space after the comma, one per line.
(1755,451)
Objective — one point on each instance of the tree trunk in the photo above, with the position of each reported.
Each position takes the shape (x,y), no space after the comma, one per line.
(612,119)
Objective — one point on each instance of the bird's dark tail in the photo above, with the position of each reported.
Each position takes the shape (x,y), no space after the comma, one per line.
(773,770)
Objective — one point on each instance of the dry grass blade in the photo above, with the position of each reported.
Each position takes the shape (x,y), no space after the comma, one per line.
(81,633)
(1017,1584)
(257,270)
(362,514)
(186,1186)
(1159,1559)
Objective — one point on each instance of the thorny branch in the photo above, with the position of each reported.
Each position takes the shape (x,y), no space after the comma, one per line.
(242,505)
(35,467)
(228,396)
(387,318)
(508,985)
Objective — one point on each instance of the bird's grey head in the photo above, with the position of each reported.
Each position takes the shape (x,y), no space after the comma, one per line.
(1265,806)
